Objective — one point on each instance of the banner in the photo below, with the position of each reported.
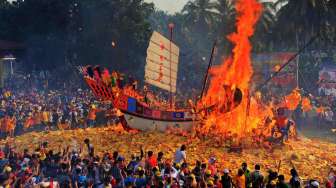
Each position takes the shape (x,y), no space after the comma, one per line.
(156,114)
(131,105)
(265,64)
(178,115)
(166,115)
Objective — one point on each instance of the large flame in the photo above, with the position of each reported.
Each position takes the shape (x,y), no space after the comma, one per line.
(292,100)
(235,72)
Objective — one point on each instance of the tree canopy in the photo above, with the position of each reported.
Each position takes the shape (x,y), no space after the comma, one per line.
(61,34)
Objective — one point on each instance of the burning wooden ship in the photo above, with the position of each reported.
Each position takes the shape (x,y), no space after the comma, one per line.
(160,71)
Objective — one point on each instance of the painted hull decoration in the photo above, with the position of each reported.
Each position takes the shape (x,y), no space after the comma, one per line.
(139,116)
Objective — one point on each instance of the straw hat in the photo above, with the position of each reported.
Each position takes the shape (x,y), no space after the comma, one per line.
(7,169)
(157,173)
(210,182)
(208,172)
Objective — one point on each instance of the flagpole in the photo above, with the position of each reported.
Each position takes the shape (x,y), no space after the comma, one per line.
(171,27)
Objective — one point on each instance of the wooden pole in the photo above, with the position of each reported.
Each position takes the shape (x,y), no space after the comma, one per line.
(279,166)
(247,113)
(297,62)
(289,61)
(208,69)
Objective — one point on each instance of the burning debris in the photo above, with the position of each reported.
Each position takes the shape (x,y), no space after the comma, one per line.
(237,111)
(234,73)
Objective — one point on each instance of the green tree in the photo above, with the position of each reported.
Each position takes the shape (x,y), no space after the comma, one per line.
(200,13)
(62,34)
(121,22)
(41,25)
(332,20)
(200,22)
(263,35)
(8,27)
(298,20)
(225,24)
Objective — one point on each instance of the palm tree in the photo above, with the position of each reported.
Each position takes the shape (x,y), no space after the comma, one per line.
(262,38)
(332,19)
(200,13)
(199,22)
(298,20)
(225,16)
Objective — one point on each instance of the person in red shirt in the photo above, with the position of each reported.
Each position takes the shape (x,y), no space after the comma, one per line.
(217,183)
(151,161)
(281,119)
(212,166)
(281,124)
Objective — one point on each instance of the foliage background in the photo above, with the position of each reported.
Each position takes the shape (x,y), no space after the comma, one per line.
(61,34)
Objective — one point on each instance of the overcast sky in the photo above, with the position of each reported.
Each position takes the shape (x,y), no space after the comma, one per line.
(170,6)
(173,6)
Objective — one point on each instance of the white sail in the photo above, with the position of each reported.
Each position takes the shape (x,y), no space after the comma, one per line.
(162,63)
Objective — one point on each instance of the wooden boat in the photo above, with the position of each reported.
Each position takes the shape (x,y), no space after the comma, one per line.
(138,115)
(160,71)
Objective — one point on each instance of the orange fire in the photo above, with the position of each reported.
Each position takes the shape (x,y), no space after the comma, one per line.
(236,72)
(292,100)
(306,104)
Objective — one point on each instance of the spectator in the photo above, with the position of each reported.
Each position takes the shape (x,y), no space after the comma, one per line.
(212,166)
(257,178)
(226,179)
(271,179)
(295,181)
(247,175)
(331,183)
(90,147)
(180,155)
(151,161)
(281,182)
(240,181)
(160,160)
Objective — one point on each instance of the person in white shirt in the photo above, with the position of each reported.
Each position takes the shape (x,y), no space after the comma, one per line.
(169,170)
(180,155)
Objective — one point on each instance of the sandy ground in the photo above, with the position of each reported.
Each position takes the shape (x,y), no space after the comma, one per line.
(312,157)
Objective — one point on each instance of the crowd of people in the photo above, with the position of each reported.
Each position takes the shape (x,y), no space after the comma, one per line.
(82,168)
(31,108)
(34,109)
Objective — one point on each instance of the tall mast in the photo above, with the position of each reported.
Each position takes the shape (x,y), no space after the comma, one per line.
(209,66)
(297,62)
(171,27)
